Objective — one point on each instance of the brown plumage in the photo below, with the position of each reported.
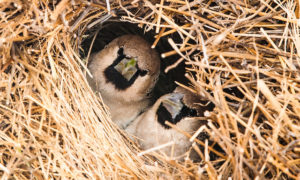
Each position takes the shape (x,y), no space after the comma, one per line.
(125,72)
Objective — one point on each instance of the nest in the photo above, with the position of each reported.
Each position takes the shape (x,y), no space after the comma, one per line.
(243,56)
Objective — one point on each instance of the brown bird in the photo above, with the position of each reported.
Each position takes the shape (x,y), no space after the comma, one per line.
(177,108)
(124,72)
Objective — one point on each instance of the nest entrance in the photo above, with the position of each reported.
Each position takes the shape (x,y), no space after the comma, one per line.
(99,37)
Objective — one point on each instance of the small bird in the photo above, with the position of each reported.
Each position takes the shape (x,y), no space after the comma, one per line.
(125,72)
(178,108)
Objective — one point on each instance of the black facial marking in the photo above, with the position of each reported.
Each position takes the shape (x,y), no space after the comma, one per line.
(113,76)
(143,72)
(121,51)
(164,115)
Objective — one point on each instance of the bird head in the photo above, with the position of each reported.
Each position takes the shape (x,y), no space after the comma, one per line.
(126,68)
(175,106)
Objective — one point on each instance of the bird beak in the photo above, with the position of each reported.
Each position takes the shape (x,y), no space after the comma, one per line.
(127,67)
(172,102)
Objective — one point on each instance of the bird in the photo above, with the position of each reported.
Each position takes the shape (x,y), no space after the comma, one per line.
(124,73)
(179,108)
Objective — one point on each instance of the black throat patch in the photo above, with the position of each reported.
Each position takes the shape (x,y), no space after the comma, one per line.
(115,77)
(164,115)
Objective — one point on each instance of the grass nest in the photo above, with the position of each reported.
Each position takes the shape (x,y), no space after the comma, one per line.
(243,56)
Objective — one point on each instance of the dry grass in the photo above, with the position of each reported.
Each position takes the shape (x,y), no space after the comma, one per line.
(244,56)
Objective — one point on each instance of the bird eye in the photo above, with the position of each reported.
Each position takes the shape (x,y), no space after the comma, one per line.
(121,51)
(143,72)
